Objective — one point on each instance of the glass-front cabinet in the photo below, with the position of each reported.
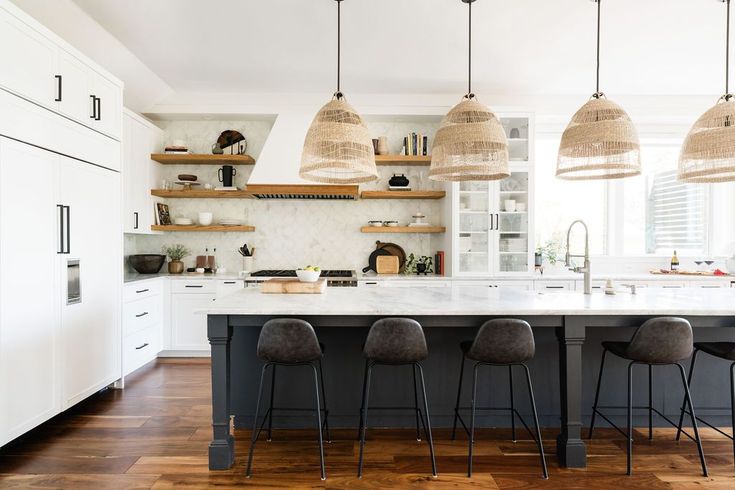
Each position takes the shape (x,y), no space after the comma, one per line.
(492,225)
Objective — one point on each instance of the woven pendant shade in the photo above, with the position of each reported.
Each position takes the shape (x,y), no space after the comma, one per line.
(600,142)
(708,152)
(469,145)
(338,148)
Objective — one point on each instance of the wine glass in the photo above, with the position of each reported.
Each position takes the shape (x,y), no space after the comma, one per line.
(709,263)
(698,263)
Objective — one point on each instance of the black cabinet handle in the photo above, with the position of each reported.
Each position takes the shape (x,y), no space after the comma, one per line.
(135,217)
(139,315)
(60,250)
(58,88)
(141,291)
(230,282)
(142,346)
(194,286)
(94,107)
(554,287)
(99,109)
(68,229)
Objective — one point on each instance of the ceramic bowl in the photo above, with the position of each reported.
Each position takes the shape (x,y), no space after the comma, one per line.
(205,219)
(375,223)
(308,276)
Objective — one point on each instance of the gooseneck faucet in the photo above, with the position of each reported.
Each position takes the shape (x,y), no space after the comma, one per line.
(568,260)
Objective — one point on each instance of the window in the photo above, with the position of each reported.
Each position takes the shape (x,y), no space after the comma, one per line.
(652,214)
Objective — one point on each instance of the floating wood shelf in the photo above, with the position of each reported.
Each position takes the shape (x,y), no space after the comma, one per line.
(201,194)
(203,159)
(202,228)
(402,194)
(403,229)
(410,160)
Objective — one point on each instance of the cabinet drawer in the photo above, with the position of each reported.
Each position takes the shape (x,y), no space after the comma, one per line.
(140,348)
(137,315)
(225,287)
(553,286)
(142,289)
(201,286)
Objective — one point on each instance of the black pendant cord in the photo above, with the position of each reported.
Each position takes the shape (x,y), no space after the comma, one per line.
(597,93)
(469,54)
(338,94)
(728,95)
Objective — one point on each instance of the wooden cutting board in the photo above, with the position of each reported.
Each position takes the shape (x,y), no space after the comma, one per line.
(293,286)
(387,264)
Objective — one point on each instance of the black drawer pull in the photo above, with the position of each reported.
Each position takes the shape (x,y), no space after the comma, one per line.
(58,87)
(141,291)
(230,282)
(194,286)
(554,287)
(139,315)
(142,346)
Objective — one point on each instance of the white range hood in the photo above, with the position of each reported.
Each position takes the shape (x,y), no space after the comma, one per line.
(276,172)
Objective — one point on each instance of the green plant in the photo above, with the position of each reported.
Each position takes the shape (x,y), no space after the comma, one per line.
(176,251)
(551,251)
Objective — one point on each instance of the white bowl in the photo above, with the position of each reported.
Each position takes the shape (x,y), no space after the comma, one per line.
(205,219)
(308,276)
(376,224)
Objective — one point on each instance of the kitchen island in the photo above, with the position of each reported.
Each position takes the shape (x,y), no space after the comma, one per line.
(455,313)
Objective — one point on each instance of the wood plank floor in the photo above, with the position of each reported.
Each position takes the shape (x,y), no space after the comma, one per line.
(154,434)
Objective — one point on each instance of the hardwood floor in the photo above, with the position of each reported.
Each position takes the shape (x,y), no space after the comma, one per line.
(154,434)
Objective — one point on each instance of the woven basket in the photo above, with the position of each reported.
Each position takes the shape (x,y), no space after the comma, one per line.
(600,142)
(338,148)
(708,152)
(469,145)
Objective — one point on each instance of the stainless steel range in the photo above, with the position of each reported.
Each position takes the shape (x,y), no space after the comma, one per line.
(335,277)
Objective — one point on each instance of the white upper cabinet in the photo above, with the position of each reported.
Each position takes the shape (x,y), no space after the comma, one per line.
(140,173)
(42,68)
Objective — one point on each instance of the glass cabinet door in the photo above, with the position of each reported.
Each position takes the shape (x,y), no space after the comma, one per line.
(474,227)
(510,223)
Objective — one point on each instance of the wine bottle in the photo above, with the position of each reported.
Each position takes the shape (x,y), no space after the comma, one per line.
(674,262)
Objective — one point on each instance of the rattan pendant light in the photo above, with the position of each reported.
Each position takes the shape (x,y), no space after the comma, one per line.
(338,148)
(600,141)
(470,143)
(708,152)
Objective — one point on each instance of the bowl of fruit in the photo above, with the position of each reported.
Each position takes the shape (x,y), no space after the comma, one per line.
(309,273)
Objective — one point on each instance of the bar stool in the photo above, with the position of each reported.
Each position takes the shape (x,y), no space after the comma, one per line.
(395,342)
(288,342)
(721,350)
(661,341)
(499,342)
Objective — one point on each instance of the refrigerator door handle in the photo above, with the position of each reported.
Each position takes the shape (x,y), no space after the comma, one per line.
(67,223)
(60,250)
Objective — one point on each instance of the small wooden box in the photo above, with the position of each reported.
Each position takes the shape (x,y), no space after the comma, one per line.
(387,264)
(293,286)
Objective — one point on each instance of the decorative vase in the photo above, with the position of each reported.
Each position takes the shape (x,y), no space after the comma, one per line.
(731,265)
(382,145)
(538,259)
(398,181)
(175,267)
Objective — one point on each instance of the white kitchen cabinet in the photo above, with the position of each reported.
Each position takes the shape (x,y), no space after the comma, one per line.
(106,114)
(30,326)
(143,323)
(492,222)
(91,326)
(518,285)
(140,173)
(189,330)
(416,283)
(553,286)
(73,91)
(228,286)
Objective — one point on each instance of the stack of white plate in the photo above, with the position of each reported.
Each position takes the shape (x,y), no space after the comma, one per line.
(230,222)
(183,221)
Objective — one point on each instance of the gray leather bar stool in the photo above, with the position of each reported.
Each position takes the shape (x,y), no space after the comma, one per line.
(721,350)
(289,342)
(661,341)
(499,342)
(395,342)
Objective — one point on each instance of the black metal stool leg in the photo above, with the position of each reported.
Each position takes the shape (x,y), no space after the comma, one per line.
(650,402)
(732,405)
(694,419)
(512,404)
(416,403)
(539,442)
(362,402)
(427,425)
(324,402)
(597,394)
(319,421)
(270,407)
(364,412)
(459,393)
(684,401)
(254,436)
(630,418)
(471,441)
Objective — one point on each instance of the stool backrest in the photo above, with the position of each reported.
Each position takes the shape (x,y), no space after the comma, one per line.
(396,340)
(503,341)
(662,340)
(288,340)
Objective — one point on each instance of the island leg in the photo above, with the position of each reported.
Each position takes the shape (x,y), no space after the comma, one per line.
(222,447)
(570,449)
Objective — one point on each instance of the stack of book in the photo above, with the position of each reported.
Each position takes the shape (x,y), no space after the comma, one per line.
(176,150)
(416,144)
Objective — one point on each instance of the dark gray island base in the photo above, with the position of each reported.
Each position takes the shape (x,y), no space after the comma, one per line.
(235,369)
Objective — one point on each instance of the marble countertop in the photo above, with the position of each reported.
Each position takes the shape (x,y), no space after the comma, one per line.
(135,277)
(473,300)
(571,276)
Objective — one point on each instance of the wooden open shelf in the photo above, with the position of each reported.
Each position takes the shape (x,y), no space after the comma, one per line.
(410,160)
(403,229)
(402,194)
(201,194)
(202,159)
(202,228)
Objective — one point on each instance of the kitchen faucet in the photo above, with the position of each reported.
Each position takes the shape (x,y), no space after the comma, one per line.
(568,260)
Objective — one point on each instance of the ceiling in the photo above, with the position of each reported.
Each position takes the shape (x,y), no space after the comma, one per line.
(540,47)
